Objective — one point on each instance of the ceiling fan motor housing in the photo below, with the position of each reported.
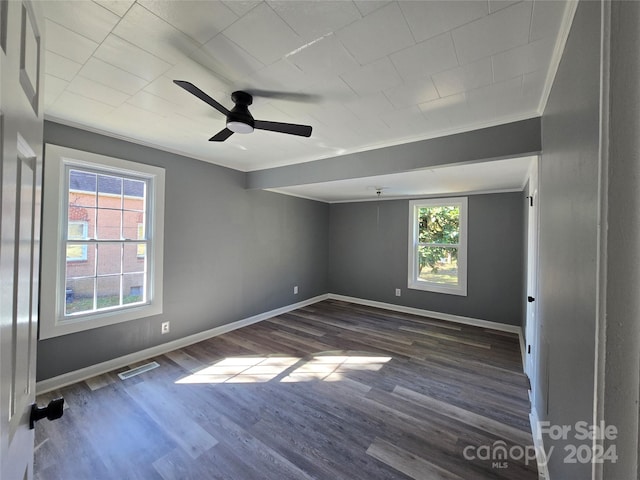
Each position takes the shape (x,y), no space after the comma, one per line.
(240,113)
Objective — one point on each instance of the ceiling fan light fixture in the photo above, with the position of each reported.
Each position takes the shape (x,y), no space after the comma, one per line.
(239,127)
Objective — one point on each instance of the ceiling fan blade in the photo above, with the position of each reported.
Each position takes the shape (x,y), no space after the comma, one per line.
(221,136)
(192,89)
(290,128)
(290,96)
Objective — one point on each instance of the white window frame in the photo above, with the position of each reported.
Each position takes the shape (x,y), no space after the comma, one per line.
(53,322)
(414,282)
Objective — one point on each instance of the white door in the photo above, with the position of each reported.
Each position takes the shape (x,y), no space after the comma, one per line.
(21,149)
(531,331)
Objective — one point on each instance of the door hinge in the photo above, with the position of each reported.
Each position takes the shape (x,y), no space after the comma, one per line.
(530,198)
(528,348)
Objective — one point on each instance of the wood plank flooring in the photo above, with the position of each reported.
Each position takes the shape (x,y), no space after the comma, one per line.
(331,391)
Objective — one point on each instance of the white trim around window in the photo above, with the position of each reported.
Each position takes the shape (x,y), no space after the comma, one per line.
(415,279)
(55,320)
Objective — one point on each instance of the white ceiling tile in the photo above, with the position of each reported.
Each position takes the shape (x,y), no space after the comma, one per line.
(122,54)
(96,91)
(150,126)
(369,6)
(312,19)
(60,67)
(68,44)
(495,5)
(373,77)
(431,18)
(325,57)
(547,18)
(379,34)
(281,75)
(114,77)
(426,58)
(81,108)
(524,59)
(413,92)
(54,87)
(331,89)
(370,106)
(507,28)
(405,122)
(241,7)
(229,60)
(200,20)
(335,115)
(533,84)
(193,72)
(436,107)
(496,100)
(467,77)
(119,7)
(149,32)
(263,34)
(154,104)
(85,18)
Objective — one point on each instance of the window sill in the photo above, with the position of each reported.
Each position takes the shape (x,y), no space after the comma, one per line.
(438,288)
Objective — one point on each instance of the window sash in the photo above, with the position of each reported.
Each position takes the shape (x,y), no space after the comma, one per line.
(414,280)
(96,240)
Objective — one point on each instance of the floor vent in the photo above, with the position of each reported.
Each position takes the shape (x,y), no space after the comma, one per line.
(138,370)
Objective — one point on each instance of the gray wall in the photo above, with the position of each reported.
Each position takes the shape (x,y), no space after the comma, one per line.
(229,254)
(568,239)
(368,257)
(622,360)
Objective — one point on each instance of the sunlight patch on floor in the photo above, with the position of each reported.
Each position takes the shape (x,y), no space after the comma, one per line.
(329,368)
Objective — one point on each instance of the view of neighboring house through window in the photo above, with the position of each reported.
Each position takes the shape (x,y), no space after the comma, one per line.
(111,211)
(102,239)
(438,245)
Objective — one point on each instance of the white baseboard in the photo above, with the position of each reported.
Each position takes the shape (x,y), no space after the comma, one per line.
(476,322)
(538,443)
(104,367)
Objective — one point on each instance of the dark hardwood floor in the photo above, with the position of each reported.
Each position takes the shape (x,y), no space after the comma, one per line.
(330,391)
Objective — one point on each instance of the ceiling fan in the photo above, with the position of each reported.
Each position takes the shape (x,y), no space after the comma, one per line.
(239,120)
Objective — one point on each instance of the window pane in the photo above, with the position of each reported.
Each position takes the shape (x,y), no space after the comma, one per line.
(133,290)
(134,195)
(131,226)
(108,291)
(82,188)
(109,191)
(439,224)
(109,258)
(133,261)
(78,295)
(109,222)
(438,265)
(77,253)
(80,260)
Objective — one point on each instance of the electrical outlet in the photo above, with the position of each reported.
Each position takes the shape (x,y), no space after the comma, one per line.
(164,328)
(398,292)
(295,290)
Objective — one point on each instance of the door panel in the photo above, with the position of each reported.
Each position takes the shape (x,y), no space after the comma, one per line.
(21,127)
(531,333)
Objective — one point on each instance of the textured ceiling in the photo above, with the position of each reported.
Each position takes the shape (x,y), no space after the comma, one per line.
(368,73)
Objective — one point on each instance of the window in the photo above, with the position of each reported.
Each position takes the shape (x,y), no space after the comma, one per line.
(438,245)
(102,241)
